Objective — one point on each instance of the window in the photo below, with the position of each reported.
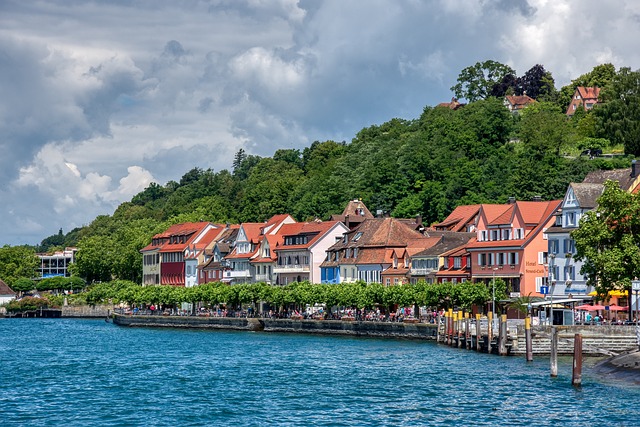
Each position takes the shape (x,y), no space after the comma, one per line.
(570,219)
(513,258)
(568,246)
(357,236)
(457,262)
(482,259)
(355,252)
(501,258)
(388,281)
(396,281)
(543,257)
(569,272)
(491,259)
(506,234)
(553,246)
(494,234)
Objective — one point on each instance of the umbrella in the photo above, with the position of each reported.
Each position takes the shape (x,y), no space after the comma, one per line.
(616,307)
(590,307)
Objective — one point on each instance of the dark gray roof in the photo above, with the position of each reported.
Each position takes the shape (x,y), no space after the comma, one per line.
(5,289)
(623,176)
(449,240)
(587,194)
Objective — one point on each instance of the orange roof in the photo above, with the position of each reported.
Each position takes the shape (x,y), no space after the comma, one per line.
(519,101)
(188,229)
(588,93)
(459,218)
(317,229)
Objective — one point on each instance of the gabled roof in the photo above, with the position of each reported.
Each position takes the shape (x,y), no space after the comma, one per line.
(588,93)
(453,104)
(445,243)
(315,231)
(518,102)
(252,230)
(586,194)
(493,213)
(354,213)
(275,222)
(624,177)
(379,232)
(189,230)
(5,289)
(459,218)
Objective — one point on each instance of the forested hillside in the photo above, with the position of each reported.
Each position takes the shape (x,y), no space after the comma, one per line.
(479,153)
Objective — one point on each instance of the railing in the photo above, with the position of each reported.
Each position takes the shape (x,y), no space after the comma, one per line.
(291,268)
(239,273)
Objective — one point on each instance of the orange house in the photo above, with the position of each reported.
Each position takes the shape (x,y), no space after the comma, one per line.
(511,244)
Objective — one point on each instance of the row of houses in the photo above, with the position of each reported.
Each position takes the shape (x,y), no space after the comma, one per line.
(527,244)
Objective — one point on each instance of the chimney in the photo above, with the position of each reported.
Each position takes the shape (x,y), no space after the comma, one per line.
(511,201)
(633,168)
(418,220)
(537,198)
(346,221)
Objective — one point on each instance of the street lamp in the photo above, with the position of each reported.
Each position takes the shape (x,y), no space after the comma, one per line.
(552,282)
(493,300)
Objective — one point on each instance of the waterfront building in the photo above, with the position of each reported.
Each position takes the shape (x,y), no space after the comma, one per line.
(213,267)
(163,260)
(194,254)
(509,242)
(248,240)
(364,252)
(302,249)
(428,261)
(57,263)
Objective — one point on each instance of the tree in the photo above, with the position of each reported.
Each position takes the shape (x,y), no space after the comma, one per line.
(618,117)
(544,129)
(536,83)
(608,240)
(600,77)
(16,262)
(476,82)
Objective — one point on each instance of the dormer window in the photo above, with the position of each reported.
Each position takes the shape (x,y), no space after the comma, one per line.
(357,236)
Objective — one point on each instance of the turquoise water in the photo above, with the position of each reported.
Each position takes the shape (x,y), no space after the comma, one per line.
(56,372)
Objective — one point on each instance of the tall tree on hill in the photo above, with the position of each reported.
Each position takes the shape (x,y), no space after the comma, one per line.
(476,81)
(618,117)
(600,77)
(537,83)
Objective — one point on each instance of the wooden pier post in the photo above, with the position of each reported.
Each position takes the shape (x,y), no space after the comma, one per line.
(450,329)
(478,333)
(576,380)
(467,331)
(554,352)
(527,338)
(502,344)
(460,329)
(438,337)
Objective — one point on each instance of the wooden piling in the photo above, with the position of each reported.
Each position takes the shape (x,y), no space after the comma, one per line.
(467,331)
(528,339)
(554,352)
(502,345)
(438,337)
(460,329)
(450,329)
(576,380)
(478,333)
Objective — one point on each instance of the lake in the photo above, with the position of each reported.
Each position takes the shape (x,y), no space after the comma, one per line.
(72,372)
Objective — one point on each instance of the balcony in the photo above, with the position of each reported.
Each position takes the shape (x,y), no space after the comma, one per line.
(237,274)
(421,271)
(264,278)
(291,268)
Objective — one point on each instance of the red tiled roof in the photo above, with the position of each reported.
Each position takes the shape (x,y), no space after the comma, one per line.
(5,289)
(190,229)
(588,93)
(459,218)
(318,229)
(519,101)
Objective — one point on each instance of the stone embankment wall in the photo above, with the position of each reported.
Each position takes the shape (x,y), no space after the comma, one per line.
(367,329)
(234,323)
(86,311)
(614,338)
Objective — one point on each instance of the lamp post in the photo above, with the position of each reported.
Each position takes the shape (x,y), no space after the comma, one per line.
(493,300)
(551,286)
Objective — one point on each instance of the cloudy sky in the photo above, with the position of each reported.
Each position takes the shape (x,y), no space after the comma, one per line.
(100,98)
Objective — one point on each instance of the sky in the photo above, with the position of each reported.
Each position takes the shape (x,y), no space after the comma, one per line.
(100,98)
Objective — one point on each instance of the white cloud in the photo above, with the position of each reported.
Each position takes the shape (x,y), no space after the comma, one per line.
(101,98)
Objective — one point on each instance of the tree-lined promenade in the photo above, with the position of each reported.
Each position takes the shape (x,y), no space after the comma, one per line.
(295,296)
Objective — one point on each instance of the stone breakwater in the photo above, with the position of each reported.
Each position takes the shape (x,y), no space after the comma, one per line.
(326,327)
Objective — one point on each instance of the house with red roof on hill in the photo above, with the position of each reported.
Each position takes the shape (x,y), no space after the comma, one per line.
(517,103)
(509,241)
(583,97)
(461,219)
(163,260)
(302,249)
(353,214)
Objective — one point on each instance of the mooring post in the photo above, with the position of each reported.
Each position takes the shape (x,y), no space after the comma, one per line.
(460,330)
(450,329)
(503,335)
(577,361)
(527,338)
(467,331)
(554,352)
(478,333)
(438,327)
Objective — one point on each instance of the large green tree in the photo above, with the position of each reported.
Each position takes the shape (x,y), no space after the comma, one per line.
(476,81)
(17,262)
(618,117)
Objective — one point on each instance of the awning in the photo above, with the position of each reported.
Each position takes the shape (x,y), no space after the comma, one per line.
(614,293)
(555,301)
